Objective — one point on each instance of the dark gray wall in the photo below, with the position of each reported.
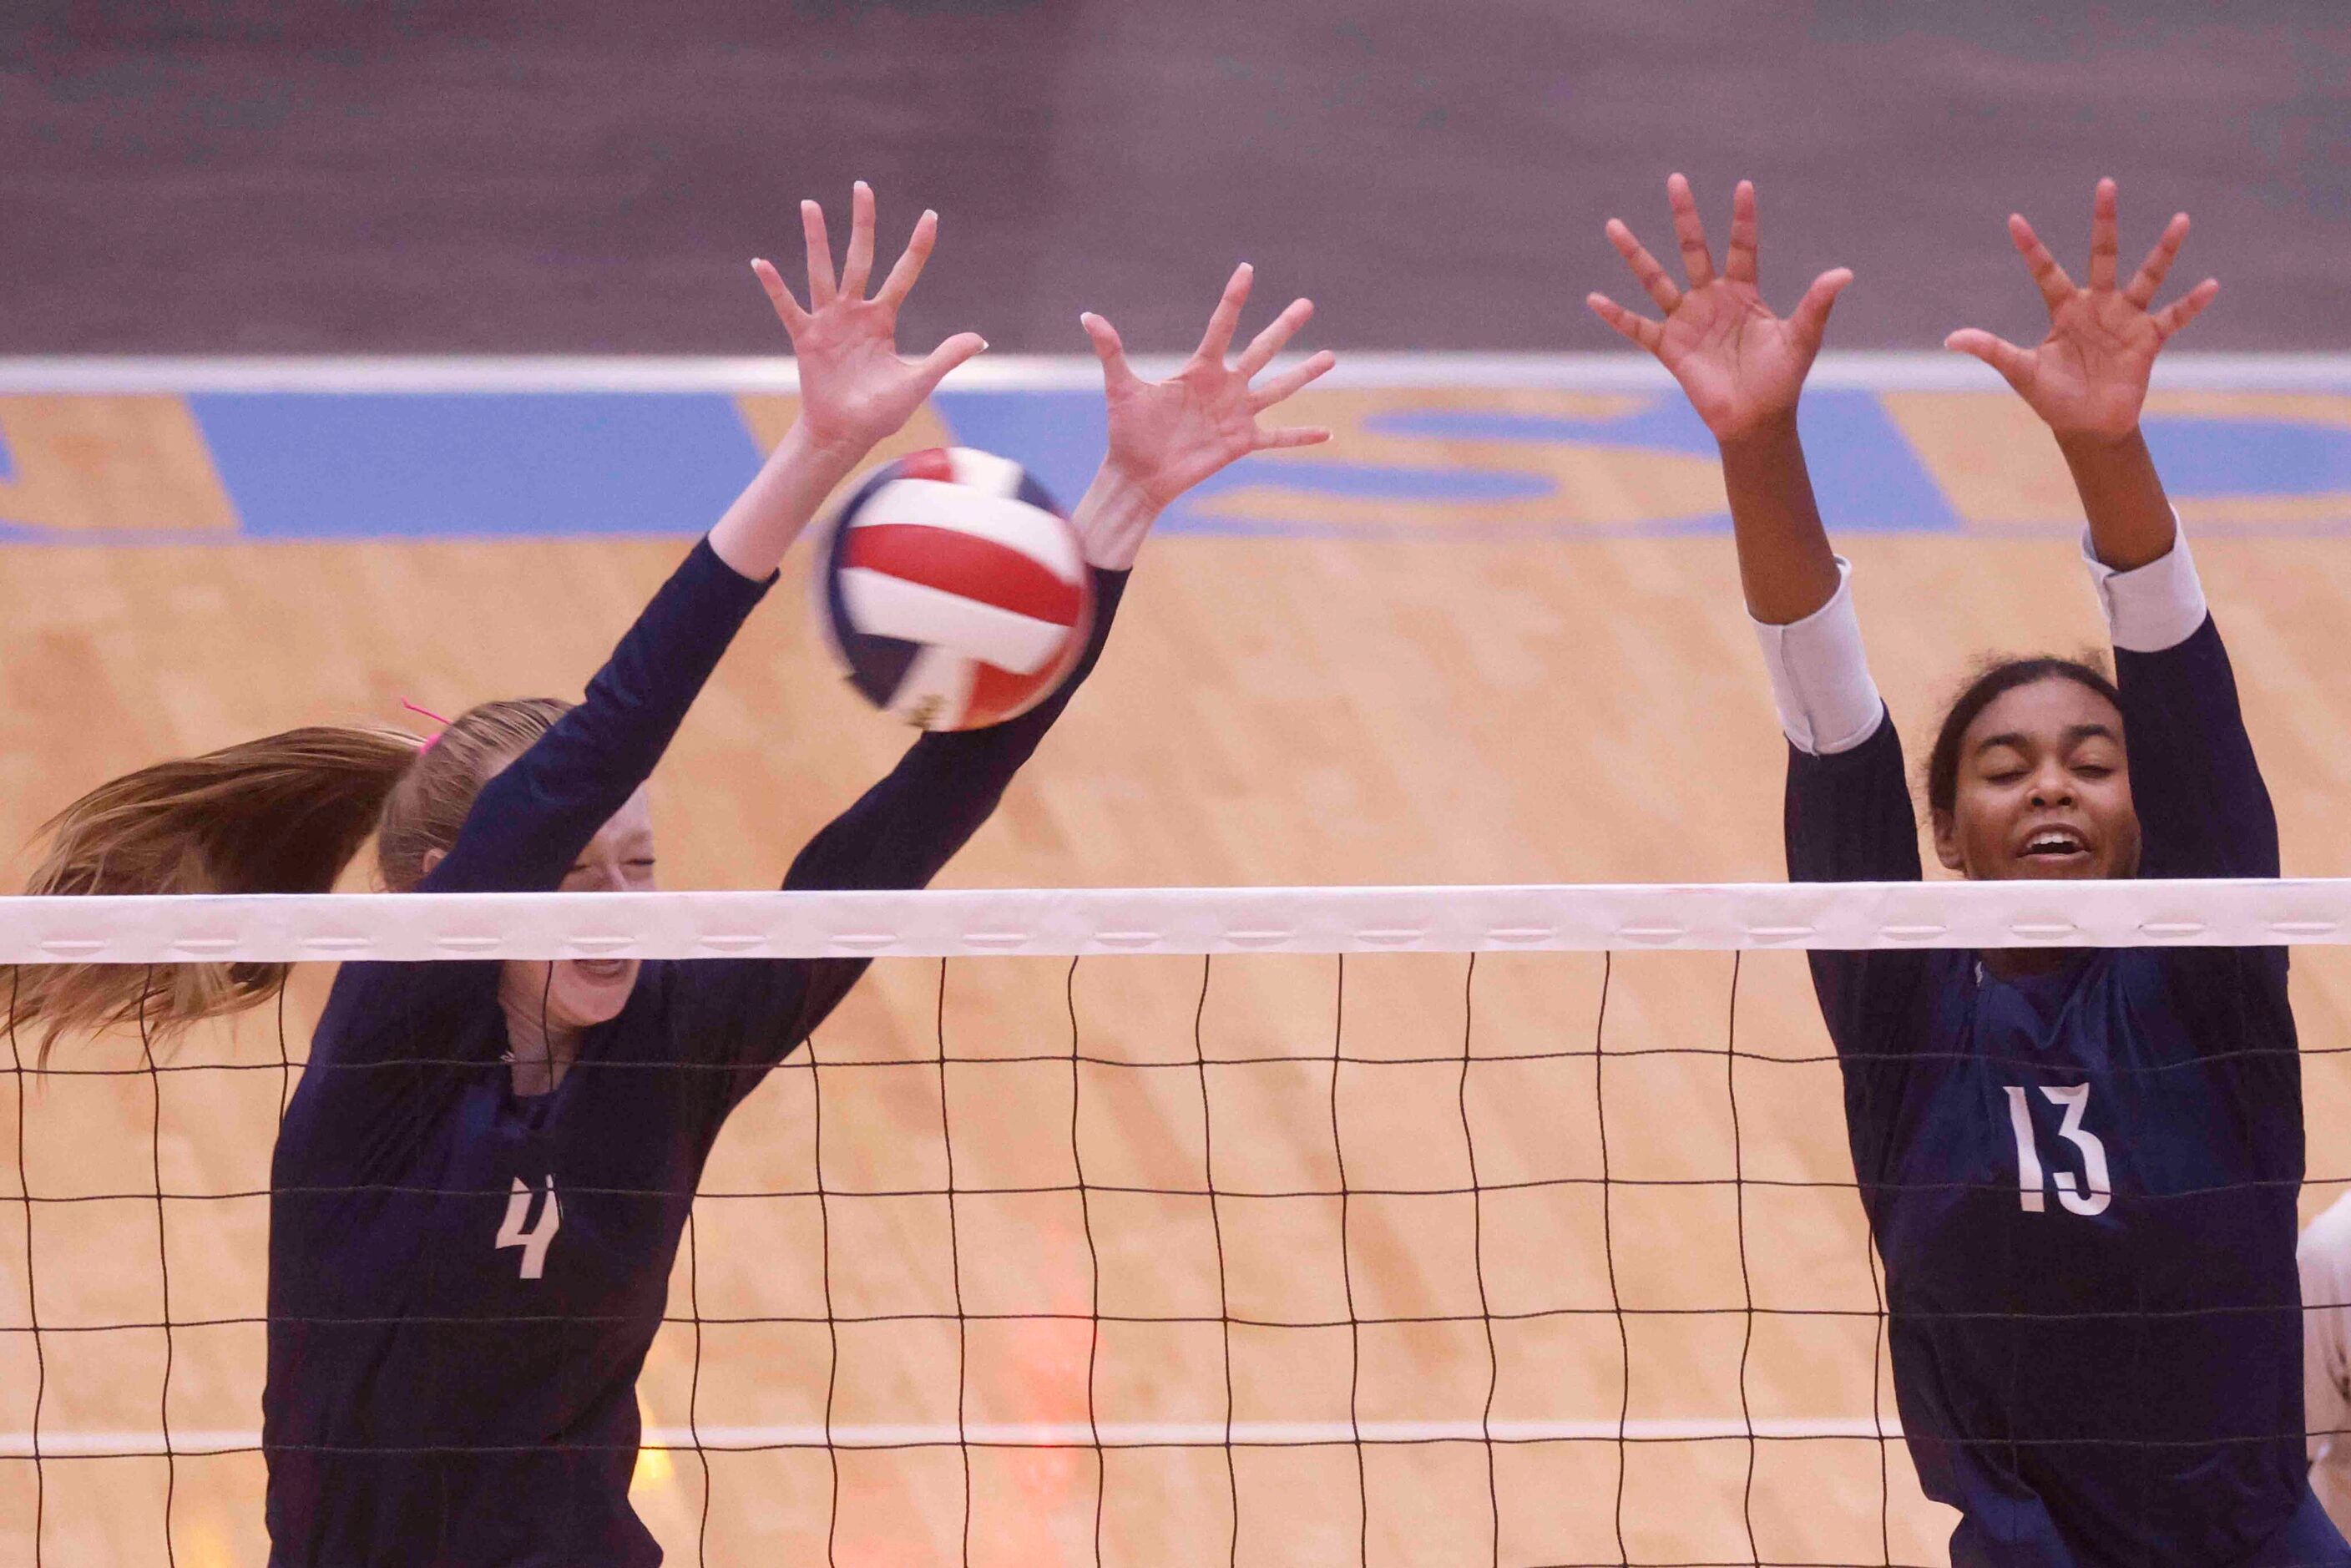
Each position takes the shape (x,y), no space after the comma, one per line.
(457,175)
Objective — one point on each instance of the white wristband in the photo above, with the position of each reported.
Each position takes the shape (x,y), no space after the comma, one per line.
(1820,675)
(2153,607)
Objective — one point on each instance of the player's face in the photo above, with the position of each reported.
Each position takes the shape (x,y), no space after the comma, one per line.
(584,992)
(2043,789)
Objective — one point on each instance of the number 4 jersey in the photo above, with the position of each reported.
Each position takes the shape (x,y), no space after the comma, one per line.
(465,1281)
(2083,1183)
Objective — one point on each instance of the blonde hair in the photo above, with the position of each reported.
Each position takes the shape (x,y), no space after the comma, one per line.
(287,813)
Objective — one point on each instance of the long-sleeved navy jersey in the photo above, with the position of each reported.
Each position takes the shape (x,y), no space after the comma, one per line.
(2083,1183)
(463,1282)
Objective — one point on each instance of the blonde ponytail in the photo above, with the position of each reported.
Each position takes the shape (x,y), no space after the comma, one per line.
(283,814)
(286,813)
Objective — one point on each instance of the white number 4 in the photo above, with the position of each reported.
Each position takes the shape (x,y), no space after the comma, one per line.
(2100,1192)
(534,1241)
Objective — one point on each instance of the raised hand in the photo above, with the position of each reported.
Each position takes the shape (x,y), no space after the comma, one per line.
(1167,436)
(1740,366)
(2088,377)
(854,388)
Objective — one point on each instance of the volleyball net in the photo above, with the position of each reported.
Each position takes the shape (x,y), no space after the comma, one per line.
(1471,1226)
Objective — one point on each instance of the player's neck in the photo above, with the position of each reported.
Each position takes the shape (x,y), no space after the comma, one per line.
(2022,963)
(538,1051)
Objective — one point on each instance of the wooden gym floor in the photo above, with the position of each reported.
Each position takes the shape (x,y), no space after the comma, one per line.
(1494,637)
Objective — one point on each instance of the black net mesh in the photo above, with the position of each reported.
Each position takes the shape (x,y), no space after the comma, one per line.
(1524,1259)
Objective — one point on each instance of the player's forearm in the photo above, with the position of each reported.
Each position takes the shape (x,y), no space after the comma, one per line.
(1785,564)
(943,790)
(531,821)
(781,502)
(1112,518)
(2130,518)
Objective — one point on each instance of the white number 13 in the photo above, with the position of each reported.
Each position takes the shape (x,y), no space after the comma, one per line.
(2095,1190)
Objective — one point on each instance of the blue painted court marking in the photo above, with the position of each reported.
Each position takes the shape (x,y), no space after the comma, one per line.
(14,533)
(1059,437)
(1863,469)
(1471,531)
(1358,481)
(349,449)
(1867,370)
(2200,457)
(1866,474)
(1660,425)
(1373,481)
(395,465)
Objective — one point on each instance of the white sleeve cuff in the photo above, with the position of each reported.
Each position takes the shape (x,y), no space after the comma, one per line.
(2153,607)
(1820,675)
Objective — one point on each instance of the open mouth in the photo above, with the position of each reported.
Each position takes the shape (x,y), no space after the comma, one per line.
(2055,847)
(602,968)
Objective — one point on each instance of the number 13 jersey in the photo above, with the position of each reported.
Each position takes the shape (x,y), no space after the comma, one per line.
(2083,1183)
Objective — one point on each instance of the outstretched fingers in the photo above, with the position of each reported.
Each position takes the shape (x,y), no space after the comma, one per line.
(935,365)
(1289,381)
(1809,319)
(1226,318)
(1290,435)
(911,261)
(819,255)
(2181,311)
(1689,232)
(788,309)
(2055,287)
(2013,363)
(1651,277)
(1640,329)
(2151,272)
(1739,265)
(1278,331)
(1108,348)
(857,267)
(2105,243)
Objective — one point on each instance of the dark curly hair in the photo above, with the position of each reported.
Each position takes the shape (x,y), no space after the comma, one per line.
(1991,682)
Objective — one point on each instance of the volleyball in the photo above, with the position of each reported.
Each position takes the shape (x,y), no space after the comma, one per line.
(953,591)
(1208,1069)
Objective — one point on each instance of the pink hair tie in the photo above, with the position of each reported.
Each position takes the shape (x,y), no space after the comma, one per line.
(436,718)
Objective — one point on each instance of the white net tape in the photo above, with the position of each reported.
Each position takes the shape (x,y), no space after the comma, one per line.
(1715,917)
(1544,1259)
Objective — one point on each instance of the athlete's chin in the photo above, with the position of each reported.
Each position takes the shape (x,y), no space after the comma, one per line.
(2056,868)
(595,990)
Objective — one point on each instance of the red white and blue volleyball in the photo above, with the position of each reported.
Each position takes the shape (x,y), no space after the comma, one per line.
(954,590)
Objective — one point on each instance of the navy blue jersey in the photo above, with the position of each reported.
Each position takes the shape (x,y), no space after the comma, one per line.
(463,1282)
(2083,1183)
